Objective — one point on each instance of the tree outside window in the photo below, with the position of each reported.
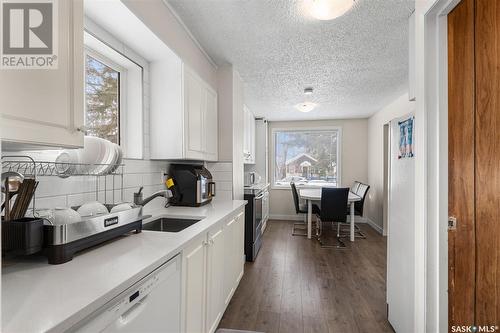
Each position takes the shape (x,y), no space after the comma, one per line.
(102,97)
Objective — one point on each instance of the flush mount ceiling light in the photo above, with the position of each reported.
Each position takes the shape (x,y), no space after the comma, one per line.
(328,9)
(306,106)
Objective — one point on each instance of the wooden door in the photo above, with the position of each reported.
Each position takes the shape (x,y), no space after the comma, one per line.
(461,250)
(487,161)
(474,162)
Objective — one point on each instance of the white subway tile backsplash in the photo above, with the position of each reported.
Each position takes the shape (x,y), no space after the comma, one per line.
(220,166)
(51,202)
(222,176)
(223,195)
(80,199)
(224,186)
(74,191)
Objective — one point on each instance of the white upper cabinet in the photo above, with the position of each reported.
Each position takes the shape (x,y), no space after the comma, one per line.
(44,107)
(183,120)
(195,103)
(249,136)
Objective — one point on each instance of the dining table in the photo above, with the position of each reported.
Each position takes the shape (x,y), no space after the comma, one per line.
(314,194)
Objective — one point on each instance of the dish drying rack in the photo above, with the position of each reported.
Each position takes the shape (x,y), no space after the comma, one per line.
(30,168)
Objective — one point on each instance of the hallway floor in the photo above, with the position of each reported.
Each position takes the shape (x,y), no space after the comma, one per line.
(297,286)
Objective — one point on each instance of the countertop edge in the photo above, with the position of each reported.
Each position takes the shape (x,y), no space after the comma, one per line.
(87,310)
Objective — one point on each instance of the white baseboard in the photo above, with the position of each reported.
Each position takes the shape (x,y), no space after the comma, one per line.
(375,226)
(295,217)
(300,217)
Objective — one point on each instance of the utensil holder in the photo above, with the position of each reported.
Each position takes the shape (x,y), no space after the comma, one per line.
(22,236)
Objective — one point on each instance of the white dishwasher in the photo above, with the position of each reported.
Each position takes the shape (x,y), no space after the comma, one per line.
(151,305)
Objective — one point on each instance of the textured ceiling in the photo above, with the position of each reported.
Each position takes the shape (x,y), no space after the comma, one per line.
(356,63)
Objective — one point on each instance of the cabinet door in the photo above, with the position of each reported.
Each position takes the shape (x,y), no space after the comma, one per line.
(239,248)
(246,133)
(230,231)
(215,280)
(194,277)
(45,106)
(195,103)
(211,126)
(251,144)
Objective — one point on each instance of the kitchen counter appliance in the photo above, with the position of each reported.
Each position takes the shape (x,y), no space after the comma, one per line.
(61,242)
(151,305)
(193,185)
(256,216)
(252,178)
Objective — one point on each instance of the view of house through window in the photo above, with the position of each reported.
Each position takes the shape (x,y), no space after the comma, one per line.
(102,98)
(306,157)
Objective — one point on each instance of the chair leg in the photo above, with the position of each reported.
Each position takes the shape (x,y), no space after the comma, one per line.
(300,228)
(358,233)
(340,244)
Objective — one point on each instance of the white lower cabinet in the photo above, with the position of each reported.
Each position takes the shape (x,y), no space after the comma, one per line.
(215,276)
(212,268)
(194,277)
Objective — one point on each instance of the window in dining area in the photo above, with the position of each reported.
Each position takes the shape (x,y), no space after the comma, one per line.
(308,157)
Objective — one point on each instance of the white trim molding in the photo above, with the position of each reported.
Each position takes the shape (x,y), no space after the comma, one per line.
(190,34)
(433,95)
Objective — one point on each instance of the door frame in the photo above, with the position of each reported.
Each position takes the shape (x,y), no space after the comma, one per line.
(434,105)
(387,177)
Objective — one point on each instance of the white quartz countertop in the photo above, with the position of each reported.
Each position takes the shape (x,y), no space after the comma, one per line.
(38,297)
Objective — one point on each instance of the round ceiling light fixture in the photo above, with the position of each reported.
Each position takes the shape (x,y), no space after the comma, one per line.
(306,106)
(328,9)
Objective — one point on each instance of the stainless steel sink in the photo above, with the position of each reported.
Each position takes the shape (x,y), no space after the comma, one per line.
(169,224)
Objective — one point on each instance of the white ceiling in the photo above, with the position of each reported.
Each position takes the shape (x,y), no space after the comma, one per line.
(356,64)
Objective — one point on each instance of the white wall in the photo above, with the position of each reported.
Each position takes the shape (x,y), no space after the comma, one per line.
(374,200)
(230,103)
(162,21)
(354,159)
(401,241)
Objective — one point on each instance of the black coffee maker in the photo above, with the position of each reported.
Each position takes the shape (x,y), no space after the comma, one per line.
(193,185)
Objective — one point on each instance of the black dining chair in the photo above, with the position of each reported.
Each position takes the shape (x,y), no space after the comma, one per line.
(300,229)
(333,203)
(361,191)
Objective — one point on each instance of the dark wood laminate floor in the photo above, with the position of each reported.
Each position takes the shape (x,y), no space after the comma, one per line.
(297,286)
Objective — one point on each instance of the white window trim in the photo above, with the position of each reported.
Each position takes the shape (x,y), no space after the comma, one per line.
(304,129)
(122,114)
(133,138)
